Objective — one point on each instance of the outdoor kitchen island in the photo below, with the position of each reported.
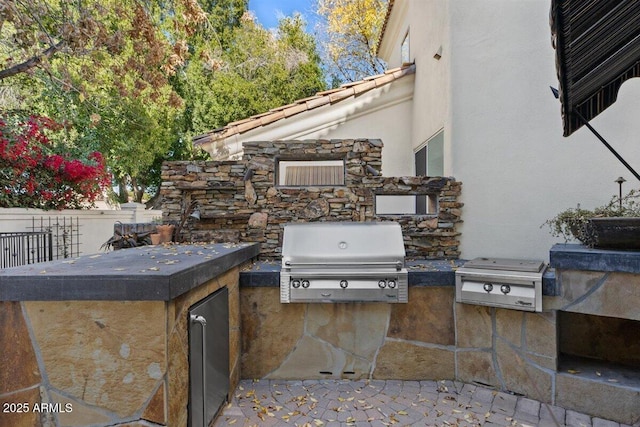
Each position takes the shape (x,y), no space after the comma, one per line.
(541,355)
(103,339)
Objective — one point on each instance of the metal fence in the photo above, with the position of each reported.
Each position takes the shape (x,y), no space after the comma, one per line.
(51,238)
(65,234)
(23,248)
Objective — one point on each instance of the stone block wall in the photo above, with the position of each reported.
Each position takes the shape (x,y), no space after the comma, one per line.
(239,201)
(411,341)
(434,338)
(103,362)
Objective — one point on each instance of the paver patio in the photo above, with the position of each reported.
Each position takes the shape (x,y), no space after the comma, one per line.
(333,403)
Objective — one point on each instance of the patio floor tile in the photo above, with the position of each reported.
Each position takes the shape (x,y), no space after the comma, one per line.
(376,403)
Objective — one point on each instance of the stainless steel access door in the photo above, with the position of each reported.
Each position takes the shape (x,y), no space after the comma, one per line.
(208,357)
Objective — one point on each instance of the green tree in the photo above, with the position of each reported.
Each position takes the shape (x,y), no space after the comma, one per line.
(103,70)
(135,79)
(352,29)
(257,71)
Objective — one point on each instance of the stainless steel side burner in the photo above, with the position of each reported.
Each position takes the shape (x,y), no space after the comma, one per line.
(501,282)
(343,261)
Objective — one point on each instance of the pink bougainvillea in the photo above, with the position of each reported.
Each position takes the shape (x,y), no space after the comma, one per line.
(34,174)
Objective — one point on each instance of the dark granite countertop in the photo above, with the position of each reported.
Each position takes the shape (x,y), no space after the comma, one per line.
(144,273)
(567,256)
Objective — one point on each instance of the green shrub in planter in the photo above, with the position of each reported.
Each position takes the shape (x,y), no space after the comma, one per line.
(576,223)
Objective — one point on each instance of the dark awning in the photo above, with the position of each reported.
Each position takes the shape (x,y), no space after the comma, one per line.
(597,46)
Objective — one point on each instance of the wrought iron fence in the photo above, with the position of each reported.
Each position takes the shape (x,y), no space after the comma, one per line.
(65,234)
(21,248)
(50,238)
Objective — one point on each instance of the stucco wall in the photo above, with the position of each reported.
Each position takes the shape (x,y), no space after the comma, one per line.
(503,133)
(383,113)
(96,226)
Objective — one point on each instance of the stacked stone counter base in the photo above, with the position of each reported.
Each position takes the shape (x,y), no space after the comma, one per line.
(432,337)
(102,339)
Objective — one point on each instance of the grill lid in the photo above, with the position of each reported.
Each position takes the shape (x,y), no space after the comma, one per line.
(530,266)
(343,244)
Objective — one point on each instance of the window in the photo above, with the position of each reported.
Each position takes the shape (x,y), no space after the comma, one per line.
(405,56)
(429,161)
(303,173)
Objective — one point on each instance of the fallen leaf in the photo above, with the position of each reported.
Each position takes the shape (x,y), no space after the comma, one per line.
(403,413)
(598,374)
(318,422)
(573,371)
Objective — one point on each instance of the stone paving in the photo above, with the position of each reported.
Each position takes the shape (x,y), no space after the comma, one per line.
(377,403)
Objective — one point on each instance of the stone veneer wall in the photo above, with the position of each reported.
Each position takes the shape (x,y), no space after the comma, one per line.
(113,362)
(239,200)
(433,338)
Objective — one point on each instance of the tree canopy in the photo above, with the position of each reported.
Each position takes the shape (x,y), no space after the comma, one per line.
(136,79)
(352,32)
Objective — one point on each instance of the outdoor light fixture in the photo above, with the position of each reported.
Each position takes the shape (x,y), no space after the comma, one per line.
(195,214)
(620,181)
(438,54)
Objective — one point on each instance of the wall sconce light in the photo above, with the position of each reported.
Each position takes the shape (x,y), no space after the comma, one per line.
(438,54)
(195,214)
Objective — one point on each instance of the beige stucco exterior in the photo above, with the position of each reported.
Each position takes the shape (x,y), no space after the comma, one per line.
(489,91)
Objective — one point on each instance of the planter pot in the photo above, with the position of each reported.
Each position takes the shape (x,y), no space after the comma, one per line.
(155,238)
(165,232)
(615,232)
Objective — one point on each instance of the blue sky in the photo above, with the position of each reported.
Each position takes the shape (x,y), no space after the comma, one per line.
(268,11)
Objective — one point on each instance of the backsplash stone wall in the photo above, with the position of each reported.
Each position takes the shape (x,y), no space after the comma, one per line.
(239,201)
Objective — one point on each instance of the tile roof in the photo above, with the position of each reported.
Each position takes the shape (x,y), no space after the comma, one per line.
(326,97)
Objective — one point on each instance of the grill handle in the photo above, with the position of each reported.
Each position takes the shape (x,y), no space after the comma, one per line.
(398,264)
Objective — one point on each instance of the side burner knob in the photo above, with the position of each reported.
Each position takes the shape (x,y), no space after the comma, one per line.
(295,283)
(392,284)
(505,289)
(344,284)
(488,287)
(305,283)
(382,283)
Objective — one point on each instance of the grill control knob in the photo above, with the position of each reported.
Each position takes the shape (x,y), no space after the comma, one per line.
(487,287)
(505,289)
(382,283)
(392,284)
(344,284)
(295,283)
(305,283)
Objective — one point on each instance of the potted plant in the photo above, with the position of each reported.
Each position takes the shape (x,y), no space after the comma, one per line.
(615,225)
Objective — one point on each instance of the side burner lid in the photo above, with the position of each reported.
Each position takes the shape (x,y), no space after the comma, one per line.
(532,266)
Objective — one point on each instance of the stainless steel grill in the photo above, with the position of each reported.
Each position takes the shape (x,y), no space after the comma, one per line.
(499,282)
(343,261)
